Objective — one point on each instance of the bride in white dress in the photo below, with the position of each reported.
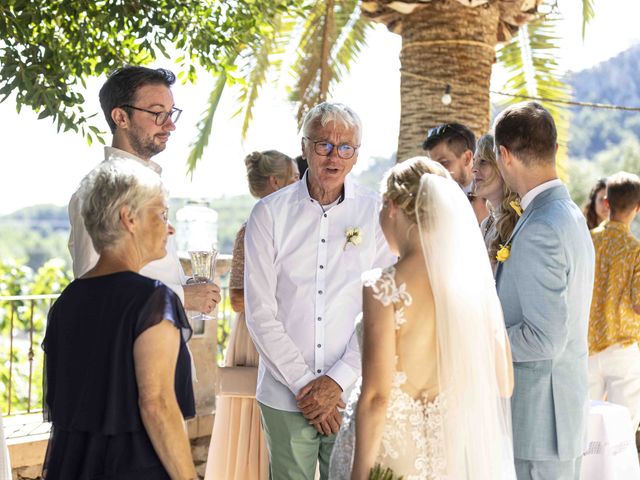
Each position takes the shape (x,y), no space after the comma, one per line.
(436,365)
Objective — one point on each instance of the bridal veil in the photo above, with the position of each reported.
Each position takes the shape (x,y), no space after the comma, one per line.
(474,367)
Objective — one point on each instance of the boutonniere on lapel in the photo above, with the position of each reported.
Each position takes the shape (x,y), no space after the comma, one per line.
(503,253)
(353,237)
(515,204)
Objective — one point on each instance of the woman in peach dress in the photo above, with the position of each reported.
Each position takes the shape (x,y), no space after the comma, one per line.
(238,450)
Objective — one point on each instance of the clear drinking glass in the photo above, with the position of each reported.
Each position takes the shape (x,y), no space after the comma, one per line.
(203,268)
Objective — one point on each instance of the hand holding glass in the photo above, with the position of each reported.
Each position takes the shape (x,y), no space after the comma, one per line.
(203,268)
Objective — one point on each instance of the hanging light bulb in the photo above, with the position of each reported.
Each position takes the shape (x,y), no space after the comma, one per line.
(446,98)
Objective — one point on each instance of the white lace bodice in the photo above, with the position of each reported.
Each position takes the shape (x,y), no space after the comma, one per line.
(412,437)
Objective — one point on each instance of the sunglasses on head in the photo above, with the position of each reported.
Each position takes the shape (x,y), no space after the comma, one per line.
(441,131)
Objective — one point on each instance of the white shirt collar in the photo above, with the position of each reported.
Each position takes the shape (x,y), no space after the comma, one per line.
(116,152)
(303,190)
(534,192)
(468,188)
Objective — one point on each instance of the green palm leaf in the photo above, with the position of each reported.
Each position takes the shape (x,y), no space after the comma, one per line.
(205,124)
(342,31)
(588,13)
(265,57)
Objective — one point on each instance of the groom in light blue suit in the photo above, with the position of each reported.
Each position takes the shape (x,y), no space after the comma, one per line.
(545,287)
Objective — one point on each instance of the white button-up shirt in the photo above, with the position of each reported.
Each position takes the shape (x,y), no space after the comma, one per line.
(303,290)
(534,192)
(84,257)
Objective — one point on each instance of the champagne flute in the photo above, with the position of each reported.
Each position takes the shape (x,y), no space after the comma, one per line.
(203,268)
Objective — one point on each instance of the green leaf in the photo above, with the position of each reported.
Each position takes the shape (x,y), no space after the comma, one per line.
(205,124)
(588,12)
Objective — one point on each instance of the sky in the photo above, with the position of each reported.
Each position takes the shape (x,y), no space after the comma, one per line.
(40,165)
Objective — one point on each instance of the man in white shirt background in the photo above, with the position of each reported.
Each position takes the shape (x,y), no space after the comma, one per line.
(306,247)
(138,105)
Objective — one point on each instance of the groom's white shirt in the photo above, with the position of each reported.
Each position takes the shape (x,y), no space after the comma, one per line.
(303,289)
(534,192)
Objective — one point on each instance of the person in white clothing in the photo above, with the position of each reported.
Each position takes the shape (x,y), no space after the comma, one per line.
(306,247)
(138,105)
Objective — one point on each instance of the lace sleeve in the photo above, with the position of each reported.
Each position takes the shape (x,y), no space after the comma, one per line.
(385,290)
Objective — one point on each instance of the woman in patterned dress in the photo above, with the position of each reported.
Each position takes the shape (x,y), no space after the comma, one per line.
(238,450)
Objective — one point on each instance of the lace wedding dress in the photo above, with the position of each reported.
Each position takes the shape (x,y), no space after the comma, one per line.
(463,430)
(412,444)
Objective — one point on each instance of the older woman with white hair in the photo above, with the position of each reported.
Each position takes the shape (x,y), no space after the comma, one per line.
(118,377)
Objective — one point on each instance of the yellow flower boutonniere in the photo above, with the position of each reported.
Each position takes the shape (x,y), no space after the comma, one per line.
(353,237)
(516,206)
(503,253)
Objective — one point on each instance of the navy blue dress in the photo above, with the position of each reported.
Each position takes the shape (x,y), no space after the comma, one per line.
(91,393)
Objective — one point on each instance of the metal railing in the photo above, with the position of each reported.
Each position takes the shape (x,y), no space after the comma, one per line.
(23,317)
(22,326)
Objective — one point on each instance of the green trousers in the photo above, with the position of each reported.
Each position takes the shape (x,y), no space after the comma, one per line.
(294,446)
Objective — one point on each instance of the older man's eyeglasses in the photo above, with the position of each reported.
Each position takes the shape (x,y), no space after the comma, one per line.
(161,117)
(344,151)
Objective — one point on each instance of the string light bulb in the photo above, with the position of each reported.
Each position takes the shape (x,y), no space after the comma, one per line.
(446,97)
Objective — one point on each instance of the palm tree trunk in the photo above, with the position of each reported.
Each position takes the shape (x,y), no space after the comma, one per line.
(445,43)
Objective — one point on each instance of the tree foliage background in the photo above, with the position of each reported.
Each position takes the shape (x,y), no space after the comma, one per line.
(48,48)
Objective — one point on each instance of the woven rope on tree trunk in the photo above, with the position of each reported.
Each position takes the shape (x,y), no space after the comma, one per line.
(430,43)
(435,81)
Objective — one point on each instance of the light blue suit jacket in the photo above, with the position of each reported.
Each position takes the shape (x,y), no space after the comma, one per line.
(545,288)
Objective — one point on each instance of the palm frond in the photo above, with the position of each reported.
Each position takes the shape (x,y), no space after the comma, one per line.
(308,64)
(531,60)
(352,28)
(315,71)
(205,124)
(588,12)
(263,57)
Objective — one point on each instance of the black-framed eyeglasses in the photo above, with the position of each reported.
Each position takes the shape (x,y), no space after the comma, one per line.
(161,117)
(344,150)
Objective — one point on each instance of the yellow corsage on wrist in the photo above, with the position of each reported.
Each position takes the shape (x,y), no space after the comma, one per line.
(503,253)
(515,204)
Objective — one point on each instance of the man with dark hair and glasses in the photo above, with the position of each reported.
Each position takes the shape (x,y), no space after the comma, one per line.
(452,145)
(138,105)
(306,246)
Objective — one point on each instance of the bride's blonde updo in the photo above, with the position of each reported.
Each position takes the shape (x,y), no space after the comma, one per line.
(262,165)
(402,181)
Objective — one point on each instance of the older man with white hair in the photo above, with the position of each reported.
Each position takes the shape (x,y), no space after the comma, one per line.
(306,247)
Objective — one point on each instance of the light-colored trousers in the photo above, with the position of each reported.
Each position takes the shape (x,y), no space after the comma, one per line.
(295,447)
(615,372)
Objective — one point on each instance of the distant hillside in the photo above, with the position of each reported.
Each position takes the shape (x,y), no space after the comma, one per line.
(35,234)
(616,81)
